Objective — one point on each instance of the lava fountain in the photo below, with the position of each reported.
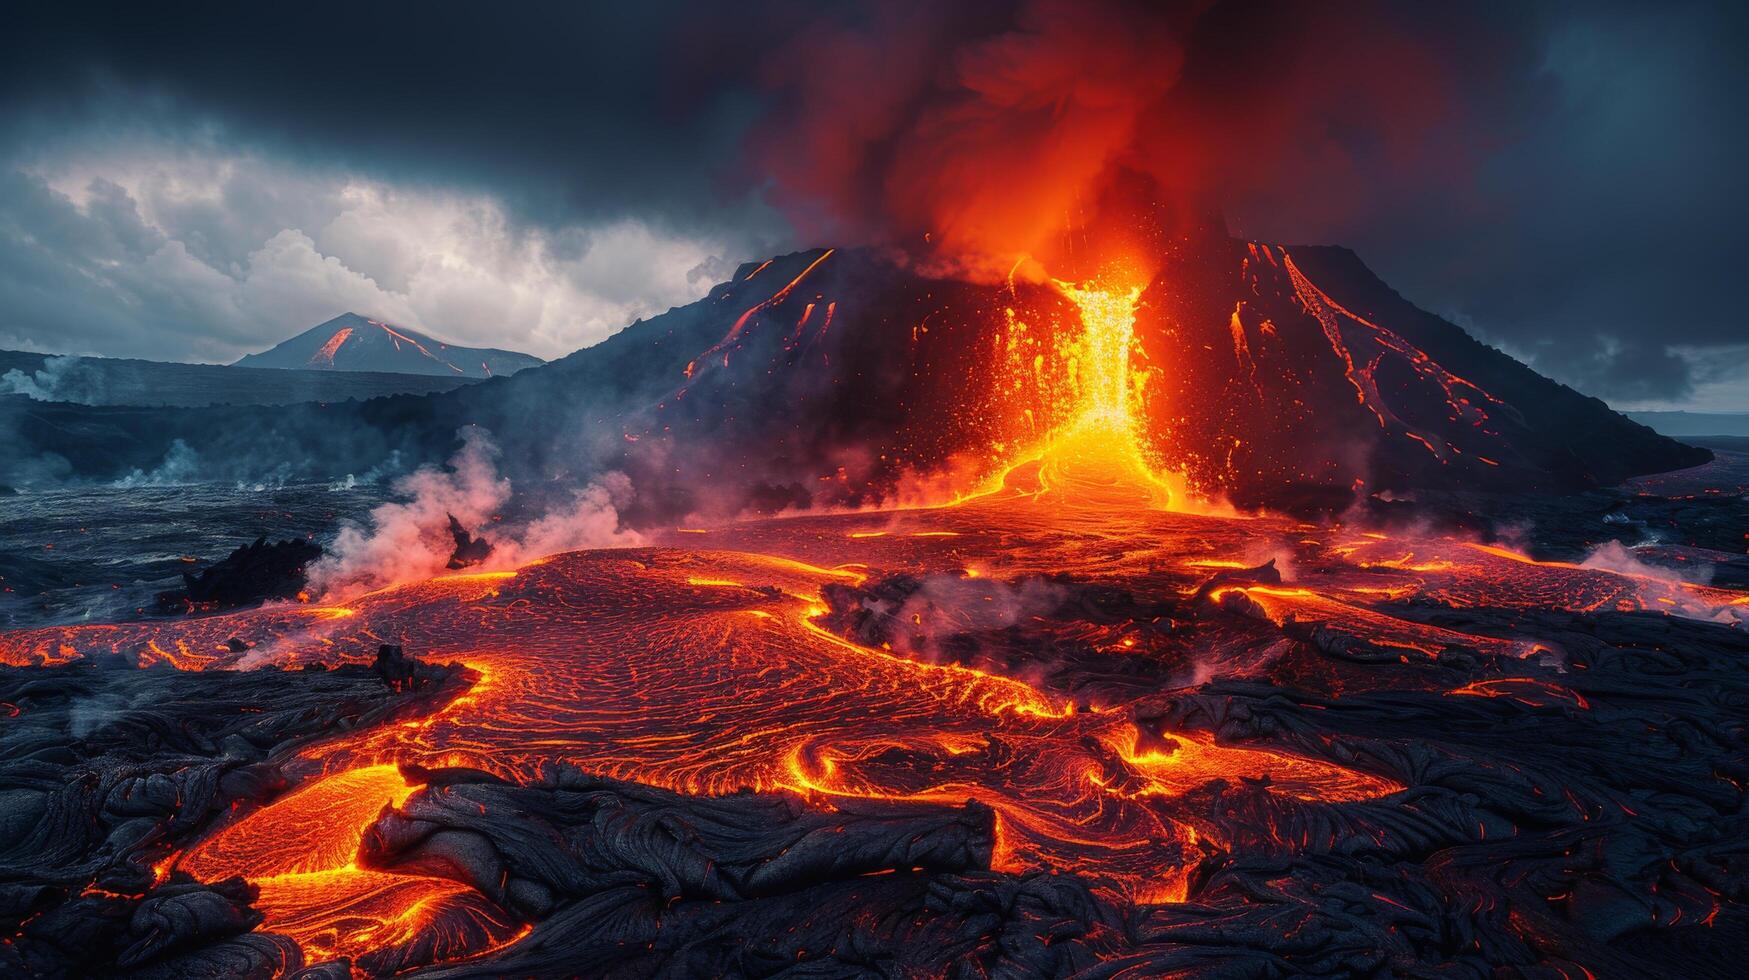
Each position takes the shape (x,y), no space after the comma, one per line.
(1095,459)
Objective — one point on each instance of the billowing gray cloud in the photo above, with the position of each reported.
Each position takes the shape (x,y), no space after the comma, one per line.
(566,111)
(193,259)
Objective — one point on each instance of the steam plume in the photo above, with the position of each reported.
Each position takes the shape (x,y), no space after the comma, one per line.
(409,540)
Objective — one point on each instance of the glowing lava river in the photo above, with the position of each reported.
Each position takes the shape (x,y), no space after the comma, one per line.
(1152,742)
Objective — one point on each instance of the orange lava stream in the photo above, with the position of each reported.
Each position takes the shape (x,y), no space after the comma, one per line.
(1095,460)
(325,354)
(301,852)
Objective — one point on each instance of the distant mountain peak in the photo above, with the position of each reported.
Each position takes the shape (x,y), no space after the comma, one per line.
(353,342)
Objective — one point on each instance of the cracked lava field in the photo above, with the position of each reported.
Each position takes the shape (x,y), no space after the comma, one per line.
(715,663)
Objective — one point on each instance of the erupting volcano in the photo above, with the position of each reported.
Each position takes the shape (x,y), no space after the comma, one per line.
(1073,722)
(1039,578)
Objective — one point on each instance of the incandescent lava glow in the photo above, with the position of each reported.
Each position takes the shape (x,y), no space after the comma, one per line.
(1096,457)
(1108,321)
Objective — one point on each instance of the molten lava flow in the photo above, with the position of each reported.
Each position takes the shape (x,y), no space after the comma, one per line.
(723,346)
(301,854)
(705,668)
(324,356)
(1332,315)
(1095,459)
(397,338)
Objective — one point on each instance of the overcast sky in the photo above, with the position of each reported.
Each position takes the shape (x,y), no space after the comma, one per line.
(201,184)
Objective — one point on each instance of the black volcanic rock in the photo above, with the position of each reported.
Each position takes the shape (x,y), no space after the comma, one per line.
(403,673)
(106,769)
(626,880)
(469,550)
(250,575)
(1323,375)
(350,342)
(1050,629)
(1578,809)
(1560,438)
(1590,813)
(1569,527)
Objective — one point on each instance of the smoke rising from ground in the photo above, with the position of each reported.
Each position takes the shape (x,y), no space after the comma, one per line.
(1661,585)
(62,378)
(407,541)
(948,606)
(181,465)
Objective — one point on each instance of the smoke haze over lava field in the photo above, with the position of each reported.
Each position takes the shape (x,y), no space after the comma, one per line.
(1009,554)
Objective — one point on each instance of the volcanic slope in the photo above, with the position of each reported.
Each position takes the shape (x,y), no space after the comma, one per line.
(350,342)
(1055,707)
(842,377)
(1264,374)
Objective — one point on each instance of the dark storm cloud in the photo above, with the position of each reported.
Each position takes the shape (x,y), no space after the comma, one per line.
(240,127)
(1571,196)
(562,110)
(1603,230)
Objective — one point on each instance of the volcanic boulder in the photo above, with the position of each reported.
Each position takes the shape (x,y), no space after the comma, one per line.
(248,576)
(469,550)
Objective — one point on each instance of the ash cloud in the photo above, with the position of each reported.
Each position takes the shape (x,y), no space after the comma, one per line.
(1555,176)
(1558,176)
